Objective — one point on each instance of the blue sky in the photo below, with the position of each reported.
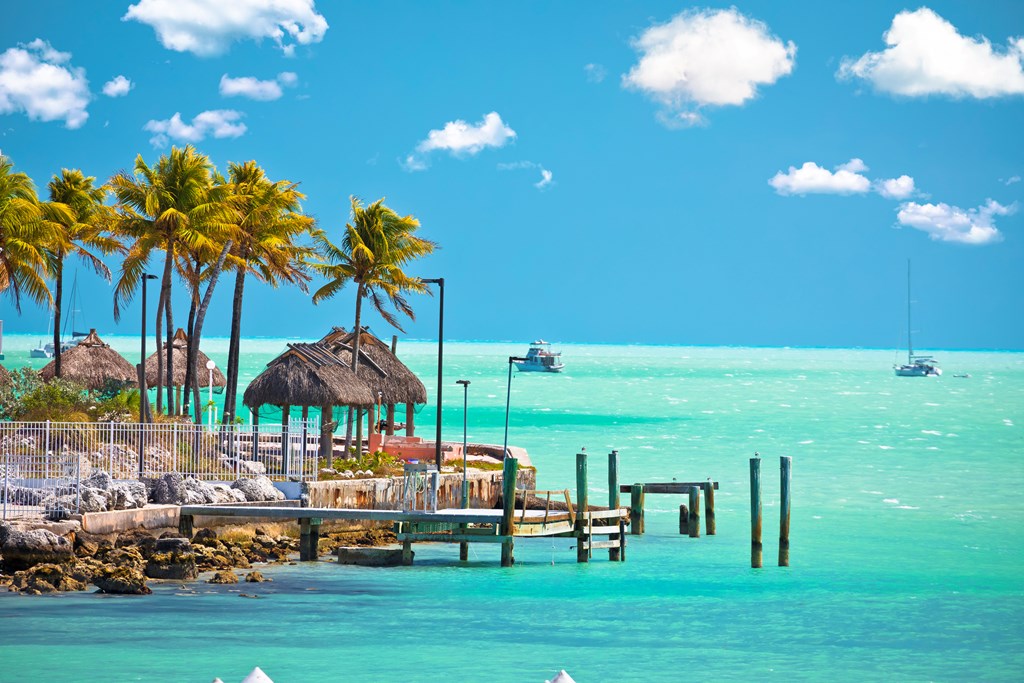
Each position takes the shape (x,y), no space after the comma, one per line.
(755,173)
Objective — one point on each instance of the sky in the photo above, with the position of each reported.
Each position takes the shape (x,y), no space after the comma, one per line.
(756,173)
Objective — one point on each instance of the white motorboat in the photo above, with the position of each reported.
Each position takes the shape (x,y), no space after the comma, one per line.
(540,358)
(916,366)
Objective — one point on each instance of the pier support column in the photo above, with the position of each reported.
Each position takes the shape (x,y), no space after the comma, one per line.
(309,539)
(786,468)
(508,501)
(582,504)
(755,512)
(693,521)
(185,527)
(613,497)
(709,507)
(636,510)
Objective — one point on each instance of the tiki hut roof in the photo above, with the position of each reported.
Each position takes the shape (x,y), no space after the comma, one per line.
(384,373)
(5,377)
(91,363)
(307,375)
(179,349)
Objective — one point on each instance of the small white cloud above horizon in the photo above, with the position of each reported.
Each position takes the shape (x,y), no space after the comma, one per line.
(945,223)
(595,73)
(38,80)
(255,89)
(813,179)
(927,55)
(546,177)
(461,139)
(208,27)
(119,86)
(896,188)
(220,123)
(1011,180)
(707,58)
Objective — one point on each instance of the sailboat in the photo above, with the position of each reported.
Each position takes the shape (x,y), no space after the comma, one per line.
(47,350)
(916,366)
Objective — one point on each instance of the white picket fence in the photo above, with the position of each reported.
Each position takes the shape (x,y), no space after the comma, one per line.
(40,460)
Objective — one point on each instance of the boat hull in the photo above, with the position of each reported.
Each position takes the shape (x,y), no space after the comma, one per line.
(536,367)
(917,371)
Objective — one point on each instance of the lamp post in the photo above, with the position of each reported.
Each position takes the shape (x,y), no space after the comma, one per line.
(439,281)
(210,365)
(143,392)
(508,400)
(465,412)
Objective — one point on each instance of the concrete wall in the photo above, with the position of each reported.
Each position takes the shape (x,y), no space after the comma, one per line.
(386,493)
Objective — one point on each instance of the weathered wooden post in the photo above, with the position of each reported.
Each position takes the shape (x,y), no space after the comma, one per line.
(309,539)
(622,539)
(508,501)
(693,522)
(709,507)
(636,509)
(185,525)
(613,498)
(684,520)
(786,467)
(582,503)
(755,511)
(407,553)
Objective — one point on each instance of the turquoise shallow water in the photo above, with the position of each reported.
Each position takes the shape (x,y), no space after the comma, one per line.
(907,538)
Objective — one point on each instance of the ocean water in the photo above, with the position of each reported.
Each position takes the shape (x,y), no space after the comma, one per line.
(907,538)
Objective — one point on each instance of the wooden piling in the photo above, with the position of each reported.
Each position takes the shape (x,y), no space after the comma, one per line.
(309,539)
(613,497)
(508,500)
(622,540)
(755,513)
(786,470)
(709,507)
(684,520)
(582,503)
(693,522)
(185,527)
(636,510)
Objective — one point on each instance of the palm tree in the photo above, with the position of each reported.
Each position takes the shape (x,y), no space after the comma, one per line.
(78,216)
(169,206)
(375,247)
(23,238)
(269,223)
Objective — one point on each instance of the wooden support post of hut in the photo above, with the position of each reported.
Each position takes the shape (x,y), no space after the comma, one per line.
(582,503)
(285,417)
(327,434)
(509,473)
(636,510)
(693,519)
(309,539)
(613,500)
(786,471)
(709,507)
(755,512)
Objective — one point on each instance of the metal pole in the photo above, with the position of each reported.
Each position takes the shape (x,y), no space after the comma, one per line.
(508,400)
(439,281)
(465,412)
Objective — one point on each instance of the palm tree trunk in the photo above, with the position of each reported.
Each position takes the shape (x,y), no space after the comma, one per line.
(234,348)
(189,379)
(159,354)
(169,349)
(57,296)
(197,332)
(355,369)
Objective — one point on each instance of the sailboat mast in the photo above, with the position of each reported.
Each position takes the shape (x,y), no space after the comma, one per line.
(910,343)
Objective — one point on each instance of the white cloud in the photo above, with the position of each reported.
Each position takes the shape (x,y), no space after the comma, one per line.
(37,79)
(117,87)
(288,78)
(595,73)
(461,138)
(947,223)
(896,188)
(545,179)
(811,178)
(708,57)
(1011,180)
(208,27)
(926,55)
(220,123)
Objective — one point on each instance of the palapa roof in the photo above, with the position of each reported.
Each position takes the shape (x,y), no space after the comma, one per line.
(307,375)
(179,350)
(91,363)
(384,373)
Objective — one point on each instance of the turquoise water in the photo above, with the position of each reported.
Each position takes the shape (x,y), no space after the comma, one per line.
(907,538)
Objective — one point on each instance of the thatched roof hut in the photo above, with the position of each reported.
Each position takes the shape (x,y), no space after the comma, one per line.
(5,377)
(307,375)
(179,350)
(92,363)
(378,367)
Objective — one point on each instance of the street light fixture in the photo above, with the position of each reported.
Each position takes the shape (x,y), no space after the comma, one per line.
(439,281)
(465,411)
(508,400)
(210,365)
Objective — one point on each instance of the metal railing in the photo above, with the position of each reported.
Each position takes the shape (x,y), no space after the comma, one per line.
(45,461)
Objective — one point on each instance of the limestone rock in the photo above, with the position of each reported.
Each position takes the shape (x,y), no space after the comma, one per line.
(122,580)
(178,564)
(169,490)
(45,578)
(255,577)
(91,499)
(199,492)
(137,539)
(126,495)
(22,495)
(23,549)
(258,489)
(86,544)
(126,557)
(99,480)
(224,577)
(207,537)
(224,494)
